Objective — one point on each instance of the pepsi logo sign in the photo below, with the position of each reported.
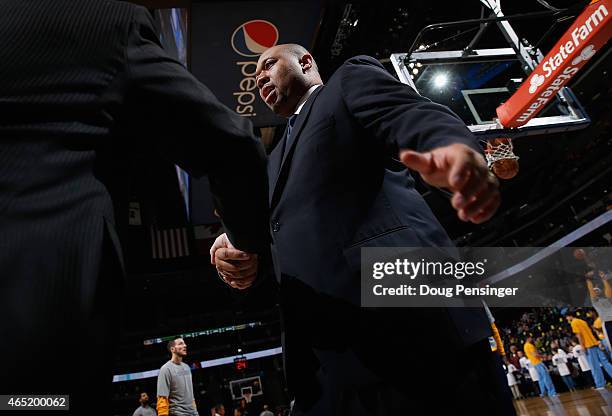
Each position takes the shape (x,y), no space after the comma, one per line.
(250,39)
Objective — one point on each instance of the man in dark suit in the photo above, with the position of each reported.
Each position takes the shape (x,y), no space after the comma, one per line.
(335,187)
(83,86)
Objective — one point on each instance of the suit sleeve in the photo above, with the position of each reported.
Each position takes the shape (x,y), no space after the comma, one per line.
(394,112)
(188,125)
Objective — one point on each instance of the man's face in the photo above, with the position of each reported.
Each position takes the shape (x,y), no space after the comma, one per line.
(144,398)
(280,80)
(569,318)
(222,410)
(179,348)
(520,354)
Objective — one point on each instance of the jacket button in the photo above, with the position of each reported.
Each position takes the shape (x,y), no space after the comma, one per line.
(276,226)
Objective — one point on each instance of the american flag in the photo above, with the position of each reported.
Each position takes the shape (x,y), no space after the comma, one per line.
(169,243)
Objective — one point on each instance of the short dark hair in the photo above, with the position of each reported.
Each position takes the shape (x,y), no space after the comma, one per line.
(219,406)
(171,343)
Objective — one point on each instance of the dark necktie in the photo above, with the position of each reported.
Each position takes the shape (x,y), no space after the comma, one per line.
(288,139)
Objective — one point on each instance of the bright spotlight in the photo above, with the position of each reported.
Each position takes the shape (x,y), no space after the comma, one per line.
(440,80)
(415,71)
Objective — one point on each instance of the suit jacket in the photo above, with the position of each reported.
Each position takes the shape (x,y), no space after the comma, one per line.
(338,189)
(83,86)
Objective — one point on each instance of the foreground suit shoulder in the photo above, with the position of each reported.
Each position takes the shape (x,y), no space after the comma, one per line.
(183,119)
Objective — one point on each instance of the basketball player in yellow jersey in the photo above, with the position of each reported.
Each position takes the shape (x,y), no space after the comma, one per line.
(591,346)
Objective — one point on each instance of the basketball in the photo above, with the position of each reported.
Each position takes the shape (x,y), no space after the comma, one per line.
(505,168)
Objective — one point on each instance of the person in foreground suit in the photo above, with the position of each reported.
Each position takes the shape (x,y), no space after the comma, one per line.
(83,88)
(335,187)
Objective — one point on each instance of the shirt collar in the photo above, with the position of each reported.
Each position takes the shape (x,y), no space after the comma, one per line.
(305,98)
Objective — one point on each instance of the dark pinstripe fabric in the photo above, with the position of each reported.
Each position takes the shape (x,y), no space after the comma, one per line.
(82,84)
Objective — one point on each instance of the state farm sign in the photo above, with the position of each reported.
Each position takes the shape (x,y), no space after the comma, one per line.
(590,31)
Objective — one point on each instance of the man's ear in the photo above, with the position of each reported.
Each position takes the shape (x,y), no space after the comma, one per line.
(306,62)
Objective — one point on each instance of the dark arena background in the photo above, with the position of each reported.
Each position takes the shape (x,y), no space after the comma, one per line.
(564,183)
(561,193)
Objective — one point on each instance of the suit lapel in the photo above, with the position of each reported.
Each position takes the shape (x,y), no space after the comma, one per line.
(300,122)
(274,162)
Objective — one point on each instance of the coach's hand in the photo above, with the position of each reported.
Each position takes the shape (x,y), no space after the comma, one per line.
(235,267)
(464,172)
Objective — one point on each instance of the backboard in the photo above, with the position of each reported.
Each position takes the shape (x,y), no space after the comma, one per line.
(246,386)
(474,82)
(474,86)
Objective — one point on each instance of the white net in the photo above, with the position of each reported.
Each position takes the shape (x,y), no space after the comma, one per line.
(499,149)
(247,394)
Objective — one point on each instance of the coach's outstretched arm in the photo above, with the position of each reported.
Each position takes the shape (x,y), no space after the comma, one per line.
(432,139)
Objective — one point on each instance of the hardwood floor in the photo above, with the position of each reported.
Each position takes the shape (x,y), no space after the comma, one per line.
(586,402)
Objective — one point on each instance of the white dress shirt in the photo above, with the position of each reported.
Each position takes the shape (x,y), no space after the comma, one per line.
(305,98)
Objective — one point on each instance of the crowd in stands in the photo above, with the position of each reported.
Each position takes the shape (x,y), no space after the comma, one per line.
(243,408)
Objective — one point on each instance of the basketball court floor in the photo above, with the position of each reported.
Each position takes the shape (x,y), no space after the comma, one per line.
(588,402)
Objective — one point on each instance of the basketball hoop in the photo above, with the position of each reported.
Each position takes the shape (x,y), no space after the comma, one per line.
(501,158)
(247,396)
